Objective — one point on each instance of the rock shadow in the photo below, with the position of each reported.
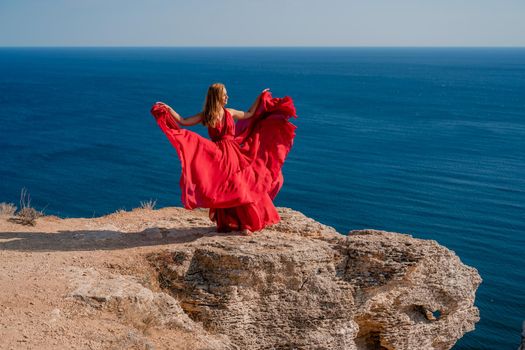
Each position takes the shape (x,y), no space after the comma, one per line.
(89,240)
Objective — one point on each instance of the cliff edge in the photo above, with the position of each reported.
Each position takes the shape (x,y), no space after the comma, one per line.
(164,279)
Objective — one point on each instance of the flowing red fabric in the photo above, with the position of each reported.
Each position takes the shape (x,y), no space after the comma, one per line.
(237,173)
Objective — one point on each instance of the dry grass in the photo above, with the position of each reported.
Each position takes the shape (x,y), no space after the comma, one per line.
(120,211)
(7,209)
(27,215)
(149,205)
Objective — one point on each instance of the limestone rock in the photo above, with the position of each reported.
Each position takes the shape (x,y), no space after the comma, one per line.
(140,306)
(370,290)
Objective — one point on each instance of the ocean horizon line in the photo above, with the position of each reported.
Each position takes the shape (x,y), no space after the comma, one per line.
(254,47)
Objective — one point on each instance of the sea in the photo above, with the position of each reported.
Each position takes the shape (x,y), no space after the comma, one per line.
(424,141)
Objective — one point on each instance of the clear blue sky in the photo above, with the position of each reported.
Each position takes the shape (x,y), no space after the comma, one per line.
(262,23)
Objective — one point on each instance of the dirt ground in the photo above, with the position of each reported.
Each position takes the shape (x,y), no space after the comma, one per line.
(37,310)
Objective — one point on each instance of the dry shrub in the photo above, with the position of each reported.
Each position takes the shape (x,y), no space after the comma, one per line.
(7,209)
(27,215)
(149,205)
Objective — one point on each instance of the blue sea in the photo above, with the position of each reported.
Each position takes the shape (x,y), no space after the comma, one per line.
(425,141)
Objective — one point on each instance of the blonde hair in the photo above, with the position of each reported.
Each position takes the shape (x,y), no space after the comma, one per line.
(213,104)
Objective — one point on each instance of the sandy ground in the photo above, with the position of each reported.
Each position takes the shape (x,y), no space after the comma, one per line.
(36,308)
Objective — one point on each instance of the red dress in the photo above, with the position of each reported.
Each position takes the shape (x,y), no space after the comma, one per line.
(238,173)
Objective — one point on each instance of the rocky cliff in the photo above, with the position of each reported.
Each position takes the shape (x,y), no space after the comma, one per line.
(163,279)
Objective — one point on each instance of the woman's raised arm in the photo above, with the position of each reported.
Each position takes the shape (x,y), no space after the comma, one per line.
(246,115)
(188,121)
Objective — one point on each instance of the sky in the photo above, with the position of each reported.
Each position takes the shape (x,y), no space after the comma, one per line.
(262,23)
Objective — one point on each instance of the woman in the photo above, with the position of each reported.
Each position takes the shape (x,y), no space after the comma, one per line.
(237,173)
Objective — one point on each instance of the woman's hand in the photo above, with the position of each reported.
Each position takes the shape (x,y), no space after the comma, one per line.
(162,104)
(172,111)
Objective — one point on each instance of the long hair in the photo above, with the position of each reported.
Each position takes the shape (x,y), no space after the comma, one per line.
(213,104)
